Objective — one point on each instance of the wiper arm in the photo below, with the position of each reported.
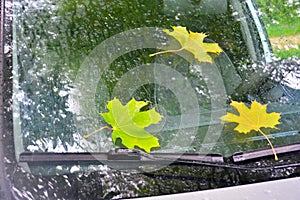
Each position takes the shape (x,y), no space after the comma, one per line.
(124,158)
(245,156)
(128,159)
(121,154)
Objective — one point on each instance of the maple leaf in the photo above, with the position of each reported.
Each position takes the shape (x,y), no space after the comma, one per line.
(253,118)
(128,123)
(192,42)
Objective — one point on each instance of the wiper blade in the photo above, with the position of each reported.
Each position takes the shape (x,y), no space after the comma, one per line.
(132,159)
(125,158)
(246,156)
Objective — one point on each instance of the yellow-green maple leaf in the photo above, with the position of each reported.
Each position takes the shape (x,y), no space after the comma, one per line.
(253,118)
(194,43)
(128,123)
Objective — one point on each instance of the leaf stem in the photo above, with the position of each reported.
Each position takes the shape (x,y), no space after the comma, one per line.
(166,51)
(274,152)
(96,131)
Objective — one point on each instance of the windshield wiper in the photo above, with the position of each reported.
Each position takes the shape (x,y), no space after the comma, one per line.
(124,158)
(246,156)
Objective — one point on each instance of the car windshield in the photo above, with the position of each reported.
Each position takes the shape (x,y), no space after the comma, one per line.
(70,58)
(119,98)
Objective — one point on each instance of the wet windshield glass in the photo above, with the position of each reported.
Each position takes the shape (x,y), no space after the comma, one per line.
(66,62)
(71,58)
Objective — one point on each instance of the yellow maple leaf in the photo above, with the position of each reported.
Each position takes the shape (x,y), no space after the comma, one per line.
(253,118)
(192,42)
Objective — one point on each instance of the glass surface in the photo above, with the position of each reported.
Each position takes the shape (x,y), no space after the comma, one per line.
(66,59)
(72,57)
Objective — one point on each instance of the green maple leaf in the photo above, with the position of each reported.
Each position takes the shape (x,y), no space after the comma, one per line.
(128,123)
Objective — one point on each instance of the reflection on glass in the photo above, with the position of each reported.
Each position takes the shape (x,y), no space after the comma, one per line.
(54,39)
